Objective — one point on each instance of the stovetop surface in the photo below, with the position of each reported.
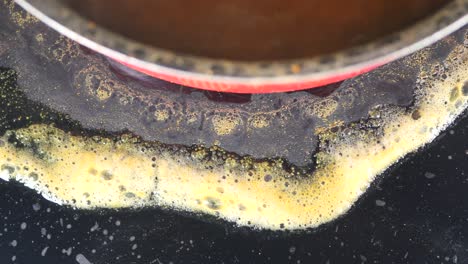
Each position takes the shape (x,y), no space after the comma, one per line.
(413,213)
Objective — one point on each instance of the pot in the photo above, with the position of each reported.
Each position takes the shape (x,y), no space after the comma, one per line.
(249,76)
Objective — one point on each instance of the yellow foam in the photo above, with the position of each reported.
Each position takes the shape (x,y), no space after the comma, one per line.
(99,172)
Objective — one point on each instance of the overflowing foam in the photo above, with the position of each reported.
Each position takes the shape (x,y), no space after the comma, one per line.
(96,172)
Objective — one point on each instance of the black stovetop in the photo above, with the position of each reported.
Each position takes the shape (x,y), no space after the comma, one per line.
(415,213)
(424,220)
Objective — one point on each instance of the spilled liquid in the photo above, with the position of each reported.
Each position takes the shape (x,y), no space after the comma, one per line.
(255,30)
(119,172)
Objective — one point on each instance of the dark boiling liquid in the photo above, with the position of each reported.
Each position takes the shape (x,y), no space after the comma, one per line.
(255,29)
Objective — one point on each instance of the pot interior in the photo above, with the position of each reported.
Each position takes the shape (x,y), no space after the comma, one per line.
(255,30)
